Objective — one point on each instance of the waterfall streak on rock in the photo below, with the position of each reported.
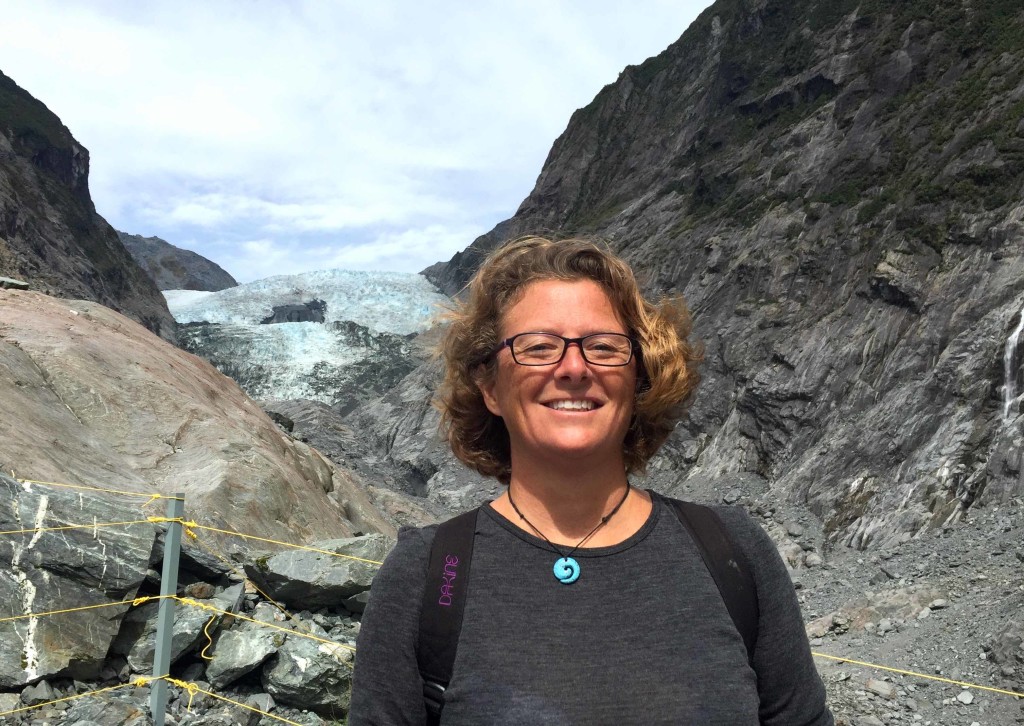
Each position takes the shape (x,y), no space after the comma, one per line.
(1011,367)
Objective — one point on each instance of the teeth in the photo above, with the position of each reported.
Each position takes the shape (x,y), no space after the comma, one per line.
(572,405)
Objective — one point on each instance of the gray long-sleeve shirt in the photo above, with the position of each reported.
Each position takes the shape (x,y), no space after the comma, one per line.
(643,637)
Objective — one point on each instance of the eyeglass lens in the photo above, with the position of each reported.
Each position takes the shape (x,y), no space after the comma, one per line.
(545,348)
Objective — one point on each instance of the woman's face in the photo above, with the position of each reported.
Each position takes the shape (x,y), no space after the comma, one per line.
(533,400)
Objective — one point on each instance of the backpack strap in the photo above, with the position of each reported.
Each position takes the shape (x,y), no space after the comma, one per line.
(728,566)
(444,602)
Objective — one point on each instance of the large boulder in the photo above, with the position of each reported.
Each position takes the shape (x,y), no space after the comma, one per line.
(311,580)
(241,650)
(47,571)
(92,398)
(311,675)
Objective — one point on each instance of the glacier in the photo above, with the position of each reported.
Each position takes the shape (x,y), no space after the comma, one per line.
(393,302)
(363,346)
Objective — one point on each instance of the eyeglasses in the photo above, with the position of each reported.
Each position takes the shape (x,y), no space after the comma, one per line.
(545,349)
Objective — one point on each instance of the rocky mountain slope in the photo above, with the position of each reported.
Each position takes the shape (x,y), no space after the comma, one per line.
(836,189)
(50,233)
(174,268)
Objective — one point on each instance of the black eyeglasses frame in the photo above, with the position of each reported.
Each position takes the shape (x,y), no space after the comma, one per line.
(634,348)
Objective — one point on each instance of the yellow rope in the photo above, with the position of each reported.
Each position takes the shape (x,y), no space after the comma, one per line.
(918,675)
(209,639)
(135,602)
(192,688)
(211,608)
(152,497)
(76,526)
(66,698)
(256,587)
(284,544)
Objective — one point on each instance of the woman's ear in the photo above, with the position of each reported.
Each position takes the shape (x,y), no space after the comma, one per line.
(485,381)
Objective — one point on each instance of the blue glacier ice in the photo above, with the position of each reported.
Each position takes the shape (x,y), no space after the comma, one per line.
(334,362)
(392,302)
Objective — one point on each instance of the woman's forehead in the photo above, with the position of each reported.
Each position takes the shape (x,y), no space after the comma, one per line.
(574,303)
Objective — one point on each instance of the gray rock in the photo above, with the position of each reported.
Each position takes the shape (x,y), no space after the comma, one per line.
(65,569)
(314,579)
(882,689)
(262,701)
(240,650)
(10,702)
(311,675)
(37,693)
(128,706)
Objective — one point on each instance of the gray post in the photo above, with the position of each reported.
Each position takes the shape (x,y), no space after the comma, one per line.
(165,615)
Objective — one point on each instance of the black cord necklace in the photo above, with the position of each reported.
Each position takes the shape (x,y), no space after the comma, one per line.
(567,569)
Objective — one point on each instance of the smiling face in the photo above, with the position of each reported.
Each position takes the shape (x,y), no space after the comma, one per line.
(571,410)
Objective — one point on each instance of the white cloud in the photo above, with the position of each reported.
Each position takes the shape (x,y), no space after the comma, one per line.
(397,122)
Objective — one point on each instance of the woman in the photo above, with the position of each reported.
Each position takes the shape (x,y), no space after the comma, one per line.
(588,601)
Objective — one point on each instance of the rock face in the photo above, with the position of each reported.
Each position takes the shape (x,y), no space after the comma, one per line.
(835,189)
(58,570)
(174,268)
(50,234)
(92,398)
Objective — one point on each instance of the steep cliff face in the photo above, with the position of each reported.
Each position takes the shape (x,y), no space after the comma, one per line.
(173,268)
(835,187)
(50,233)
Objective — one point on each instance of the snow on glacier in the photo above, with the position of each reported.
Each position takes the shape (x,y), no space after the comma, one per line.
(282,360)
(393,302)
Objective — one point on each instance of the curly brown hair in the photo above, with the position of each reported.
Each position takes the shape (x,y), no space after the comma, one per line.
(666,363)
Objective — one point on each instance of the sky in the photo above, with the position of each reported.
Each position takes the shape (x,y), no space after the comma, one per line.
(277,137)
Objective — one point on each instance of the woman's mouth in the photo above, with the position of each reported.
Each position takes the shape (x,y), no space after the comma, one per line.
(572,405)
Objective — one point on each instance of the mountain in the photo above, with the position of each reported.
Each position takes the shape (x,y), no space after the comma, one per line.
(50,234)
(334,336)
(173,268)
(835,187)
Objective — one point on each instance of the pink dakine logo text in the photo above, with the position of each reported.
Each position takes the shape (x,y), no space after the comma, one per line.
(451,562)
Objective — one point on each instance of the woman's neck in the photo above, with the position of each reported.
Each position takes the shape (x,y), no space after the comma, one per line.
(566,504)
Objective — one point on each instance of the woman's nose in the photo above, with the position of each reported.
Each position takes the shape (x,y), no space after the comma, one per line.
(573,365)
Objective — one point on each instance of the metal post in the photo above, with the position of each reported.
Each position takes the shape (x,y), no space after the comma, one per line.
(165,614)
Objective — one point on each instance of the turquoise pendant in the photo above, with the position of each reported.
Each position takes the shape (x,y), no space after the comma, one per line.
(567,570)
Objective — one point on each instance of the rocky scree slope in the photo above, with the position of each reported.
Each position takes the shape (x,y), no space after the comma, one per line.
(50,233)
(835,187)
(174,268)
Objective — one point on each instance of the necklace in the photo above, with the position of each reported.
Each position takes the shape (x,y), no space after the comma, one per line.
(567,569)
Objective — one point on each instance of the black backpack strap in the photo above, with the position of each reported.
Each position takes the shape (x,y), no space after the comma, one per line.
(444,602)
(728,566)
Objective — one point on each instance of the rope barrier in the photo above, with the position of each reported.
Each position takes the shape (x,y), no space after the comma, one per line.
(211,608)
(963,684)
(284,544)
(95,525)
(135,602)
(193,689)
(152,497)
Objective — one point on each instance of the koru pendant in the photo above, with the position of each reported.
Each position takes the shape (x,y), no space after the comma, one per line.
(567,570)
